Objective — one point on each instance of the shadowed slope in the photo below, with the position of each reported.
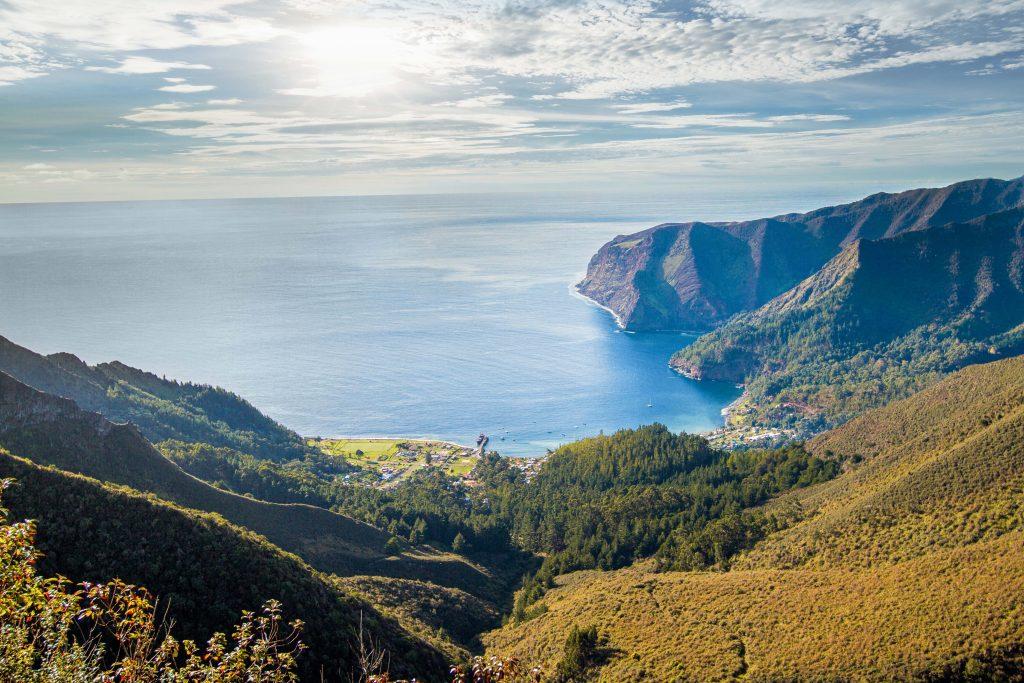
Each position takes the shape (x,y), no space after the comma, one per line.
(881,320)
(204,570)
(54,431)
(694,276)
(160,408)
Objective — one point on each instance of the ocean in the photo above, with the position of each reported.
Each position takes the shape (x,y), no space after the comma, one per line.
(420,316)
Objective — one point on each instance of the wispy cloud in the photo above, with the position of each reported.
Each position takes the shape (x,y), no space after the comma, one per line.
(787,118)
(144,65)
(186,88)
(472,86)
(649,107)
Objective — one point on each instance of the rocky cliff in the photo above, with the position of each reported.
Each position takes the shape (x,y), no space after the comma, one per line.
(695,276)
(880,320)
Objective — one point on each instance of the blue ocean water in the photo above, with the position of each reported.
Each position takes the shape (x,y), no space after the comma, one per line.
(432,316)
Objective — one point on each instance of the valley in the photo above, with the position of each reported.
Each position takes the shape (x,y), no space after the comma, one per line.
(858,517)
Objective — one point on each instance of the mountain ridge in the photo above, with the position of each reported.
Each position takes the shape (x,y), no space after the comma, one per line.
(204,570)
(882,319)
(694,276)
(160,408)
(54,431)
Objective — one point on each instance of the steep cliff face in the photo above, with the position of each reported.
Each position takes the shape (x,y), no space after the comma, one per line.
(878,321)
(694,276)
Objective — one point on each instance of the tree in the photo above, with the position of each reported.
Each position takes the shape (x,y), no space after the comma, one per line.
(579,655)
(459,542)
(419,531)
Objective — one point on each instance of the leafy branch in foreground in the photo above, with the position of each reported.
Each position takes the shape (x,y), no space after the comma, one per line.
(111,632)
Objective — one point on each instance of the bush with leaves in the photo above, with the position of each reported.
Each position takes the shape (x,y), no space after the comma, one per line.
(111,632)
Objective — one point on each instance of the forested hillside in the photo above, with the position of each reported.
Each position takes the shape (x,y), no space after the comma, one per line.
(428,507)
(54,431)
(608,501)
(204,570)
(910,565)
(761,564)
(160,408)
(944,468)
(880,321)
(601,502)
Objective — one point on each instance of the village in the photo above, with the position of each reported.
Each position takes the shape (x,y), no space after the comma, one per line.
(386,462)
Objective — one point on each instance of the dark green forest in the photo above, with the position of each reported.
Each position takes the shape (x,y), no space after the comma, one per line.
(600,503)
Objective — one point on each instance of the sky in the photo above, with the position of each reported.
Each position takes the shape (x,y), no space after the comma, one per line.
(150,99)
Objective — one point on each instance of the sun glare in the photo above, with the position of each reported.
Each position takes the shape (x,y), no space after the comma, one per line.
(354,60)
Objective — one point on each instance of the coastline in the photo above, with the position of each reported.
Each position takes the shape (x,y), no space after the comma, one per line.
(726,411)
(574,289)
(575,292)
(731,407)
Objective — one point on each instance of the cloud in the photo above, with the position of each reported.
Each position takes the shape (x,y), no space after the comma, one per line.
(187,88)
(39,37)
(458,85)
(48,173)
(598,49)
(480,101)
(138,25)
(649,107)
(144,65)
(809,117)
(884,17)
(12,74)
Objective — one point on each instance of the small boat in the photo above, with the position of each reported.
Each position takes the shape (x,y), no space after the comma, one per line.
(650,404)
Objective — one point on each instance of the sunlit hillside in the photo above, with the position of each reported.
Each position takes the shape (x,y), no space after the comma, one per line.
(910,565)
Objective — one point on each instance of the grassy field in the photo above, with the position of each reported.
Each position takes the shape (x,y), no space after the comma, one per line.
(385,462)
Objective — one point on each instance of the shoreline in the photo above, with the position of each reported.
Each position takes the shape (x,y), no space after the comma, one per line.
(735,403)
(574,289)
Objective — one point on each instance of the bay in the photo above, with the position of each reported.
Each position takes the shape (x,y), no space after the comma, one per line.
(420,316)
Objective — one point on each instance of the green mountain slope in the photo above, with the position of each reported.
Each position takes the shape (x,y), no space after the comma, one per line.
(909,566)
(944,468)
(54,431)
(160,408)
(607,501)
(881,320)
(695,276)
(205,570)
